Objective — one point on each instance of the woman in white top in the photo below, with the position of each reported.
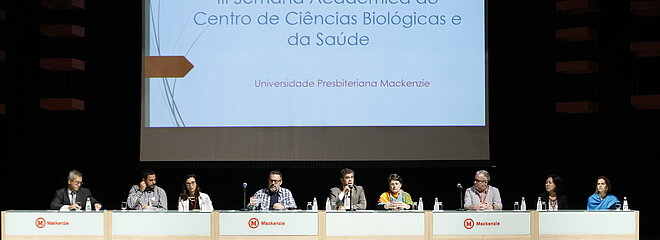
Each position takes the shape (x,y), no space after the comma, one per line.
(191,199)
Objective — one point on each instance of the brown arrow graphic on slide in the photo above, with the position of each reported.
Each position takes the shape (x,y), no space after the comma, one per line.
(166,66)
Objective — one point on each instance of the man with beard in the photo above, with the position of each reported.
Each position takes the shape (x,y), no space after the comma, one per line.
(274,197)
(146,195)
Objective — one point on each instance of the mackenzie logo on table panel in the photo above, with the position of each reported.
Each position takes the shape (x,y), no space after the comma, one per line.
(469,223)
(41,223)
(254,223)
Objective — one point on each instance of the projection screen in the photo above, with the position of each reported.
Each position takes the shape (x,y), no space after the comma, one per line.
(314,80)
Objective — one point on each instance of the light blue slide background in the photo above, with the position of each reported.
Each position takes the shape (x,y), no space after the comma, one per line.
(220,89)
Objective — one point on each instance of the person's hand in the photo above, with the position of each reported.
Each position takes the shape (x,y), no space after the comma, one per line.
(342,207)
(405,206)
(485,206)
(398,205)
(253,201)
(346,189)
(74,206)
(97,206)
(144,206)
(278,206)
(142,186)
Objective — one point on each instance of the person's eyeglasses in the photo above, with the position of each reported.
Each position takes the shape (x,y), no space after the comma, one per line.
(190,183)
(480,181)
(274,181)
(76,182)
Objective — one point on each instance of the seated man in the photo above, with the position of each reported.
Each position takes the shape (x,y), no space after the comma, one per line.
(482,196)
(67,199)
(274,197)
(146,195)
(340,195)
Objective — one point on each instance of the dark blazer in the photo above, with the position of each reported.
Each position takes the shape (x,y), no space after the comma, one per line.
(358,200)
(562,200)
(62,198)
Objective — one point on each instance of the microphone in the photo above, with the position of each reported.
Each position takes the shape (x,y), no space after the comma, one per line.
(244,203)
(350,198)
(460,192)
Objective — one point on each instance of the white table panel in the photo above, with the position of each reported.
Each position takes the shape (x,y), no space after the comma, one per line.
(481,223)
(54,223)
(378,223)
(273,223)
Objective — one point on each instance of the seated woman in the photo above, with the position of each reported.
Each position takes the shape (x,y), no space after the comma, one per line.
(395,198)
(553,194)
(602,199)
(191,198)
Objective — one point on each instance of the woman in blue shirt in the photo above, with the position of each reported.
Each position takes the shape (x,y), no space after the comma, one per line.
(602,199)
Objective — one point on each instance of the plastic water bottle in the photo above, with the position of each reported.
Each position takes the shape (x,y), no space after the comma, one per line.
(88,205)
(539,207)
(436,205)
(327,204)
(625,204)
(420,204)
(315,206)
(523,206)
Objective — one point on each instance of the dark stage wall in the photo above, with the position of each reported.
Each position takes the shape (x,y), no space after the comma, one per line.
(528,138)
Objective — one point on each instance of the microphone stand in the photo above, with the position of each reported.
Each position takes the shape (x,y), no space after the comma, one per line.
(244,203)
(460,190)
(350,198)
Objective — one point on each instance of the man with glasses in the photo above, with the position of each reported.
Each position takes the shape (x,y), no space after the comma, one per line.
(274,197)
(73,197)
(482,196)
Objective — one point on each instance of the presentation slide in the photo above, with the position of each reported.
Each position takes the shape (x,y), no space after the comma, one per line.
(318,63)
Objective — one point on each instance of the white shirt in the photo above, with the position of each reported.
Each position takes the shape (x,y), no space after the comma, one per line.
(72,199)
(345,198)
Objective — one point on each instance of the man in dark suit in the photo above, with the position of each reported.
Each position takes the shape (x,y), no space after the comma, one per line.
(73,197)
(340,195)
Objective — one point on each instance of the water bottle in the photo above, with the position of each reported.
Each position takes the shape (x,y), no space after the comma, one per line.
(88,205)
(523,206)
(435,205)
(420,205)
(315,206)
(327,204)
(625,204)
(539,207)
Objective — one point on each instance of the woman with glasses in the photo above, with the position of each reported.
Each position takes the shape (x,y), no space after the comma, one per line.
(482,196)
(191,199)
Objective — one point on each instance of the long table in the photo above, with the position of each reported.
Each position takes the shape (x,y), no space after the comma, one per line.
(320,225)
